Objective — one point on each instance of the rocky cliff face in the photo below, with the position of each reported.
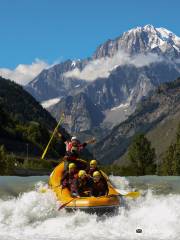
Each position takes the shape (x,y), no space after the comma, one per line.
(129,84)
(51,83)
(80,113)
(152,112)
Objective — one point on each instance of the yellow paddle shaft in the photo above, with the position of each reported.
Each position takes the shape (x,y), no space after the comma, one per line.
(54,132)
(132,194)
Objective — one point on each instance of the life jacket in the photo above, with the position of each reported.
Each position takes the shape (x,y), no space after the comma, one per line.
(68,178)
(79,186)
(90,171)
(84,183)
(73,176)
(70,158)
(99,188)
(70,147)
(74,147)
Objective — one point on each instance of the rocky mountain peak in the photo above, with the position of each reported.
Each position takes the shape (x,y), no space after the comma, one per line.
(147,39)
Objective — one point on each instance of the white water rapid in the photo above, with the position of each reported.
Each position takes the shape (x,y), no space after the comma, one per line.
(34,216)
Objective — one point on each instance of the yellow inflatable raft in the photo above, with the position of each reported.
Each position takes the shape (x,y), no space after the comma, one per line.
(104,204)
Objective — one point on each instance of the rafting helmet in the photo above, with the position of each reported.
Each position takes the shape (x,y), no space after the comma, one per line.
(73,138)
(72,166)
(96,174)
(81,173)
(93,163)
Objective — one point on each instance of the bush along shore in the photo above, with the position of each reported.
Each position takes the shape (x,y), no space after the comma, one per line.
(11,164)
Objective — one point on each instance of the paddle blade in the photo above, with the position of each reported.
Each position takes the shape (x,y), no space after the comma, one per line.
(133,194)
(43,190)
(62,206)
(65,204)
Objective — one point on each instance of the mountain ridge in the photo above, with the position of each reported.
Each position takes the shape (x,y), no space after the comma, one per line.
(129,42)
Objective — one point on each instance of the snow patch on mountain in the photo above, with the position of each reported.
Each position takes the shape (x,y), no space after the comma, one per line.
(177,49)
(167,35)
(117,114)
(122,106)
(73,64)
(156,36)
(50,102)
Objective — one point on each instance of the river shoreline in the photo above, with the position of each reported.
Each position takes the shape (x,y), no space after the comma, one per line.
(31,172)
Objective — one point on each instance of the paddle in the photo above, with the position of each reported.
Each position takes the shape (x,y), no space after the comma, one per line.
(54,132)
(130,194)
(65,204)
(42,190)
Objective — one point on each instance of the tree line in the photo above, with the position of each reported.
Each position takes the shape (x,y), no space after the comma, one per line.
(142,159)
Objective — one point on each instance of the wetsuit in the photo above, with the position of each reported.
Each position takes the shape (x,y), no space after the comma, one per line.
(79,186)
(68,178)
(99,188)
(90,171)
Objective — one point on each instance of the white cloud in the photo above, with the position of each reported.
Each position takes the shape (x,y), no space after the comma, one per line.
(102,67)
(99,68)
(24,73)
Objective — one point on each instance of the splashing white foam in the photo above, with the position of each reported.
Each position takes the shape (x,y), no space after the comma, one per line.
(34,216)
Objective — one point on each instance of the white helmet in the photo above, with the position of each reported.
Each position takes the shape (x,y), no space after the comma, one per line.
(73,138)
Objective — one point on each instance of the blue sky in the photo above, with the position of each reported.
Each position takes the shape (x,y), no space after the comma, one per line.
(55,30)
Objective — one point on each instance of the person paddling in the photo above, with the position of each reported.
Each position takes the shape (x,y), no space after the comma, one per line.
(73,149)
(69,176)
(99,186)
(92,167)
(73,145)
(82,185)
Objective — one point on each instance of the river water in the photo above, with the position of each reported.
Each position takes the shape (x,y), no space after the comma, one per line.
(28,214)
